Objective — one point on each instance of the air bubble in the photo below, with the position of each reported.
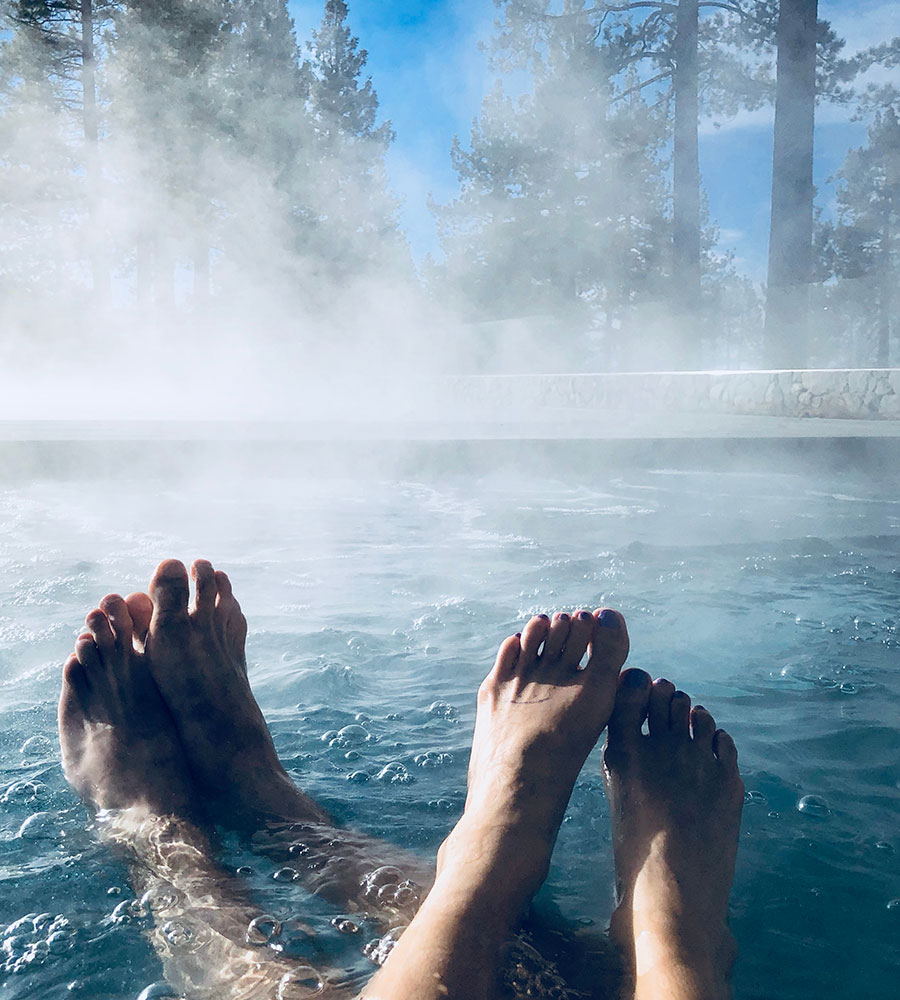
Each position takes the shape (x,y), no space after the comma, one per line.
(36,746)
(262,929)
(59,942)
(345,926)
(813,805)
(352,755)
(754,797)
(377,951)
(849,689)
(883,845)
(433,758)
(159,991)
(442,710)
(245,870)
(39,826)
(158,899)
(123,913)
(329,736)
(24,792)
(286,875)
(303,981)
(893,904)
(395,772)
(361,717)
(358,777)
(176,932)
(298,850)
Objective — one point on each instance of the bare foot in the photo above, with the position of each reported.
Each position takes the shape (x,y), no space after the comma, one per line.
(196,656)
(676,799)
(118,740)
(538,718)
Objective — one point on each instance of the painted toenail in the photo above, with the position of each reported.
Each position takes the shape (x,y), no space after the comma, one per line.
(608,619)
(634,679)
(562,616)
(518,635)
(545,617)
(584,616)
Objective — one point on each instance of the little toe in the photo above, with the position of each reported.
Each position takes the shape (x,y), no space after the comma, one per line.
(703,727)
(658,713)
(236,634)
(579,637)
(724,749)
(87,654)
(630,710)
(72,698)
(169,588)
(556,639)
(534,633)
(609,644)
(119,617)
(680,714)
(207,590)
(101,631)
(140,607)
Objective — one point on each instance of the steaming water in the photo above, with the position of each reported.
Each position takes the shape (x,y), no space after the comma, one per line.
(772,600)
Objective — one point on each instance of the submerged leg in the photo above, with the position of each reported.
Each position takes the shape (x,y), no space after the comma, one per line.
(538,718)
(121,752)
(675,798)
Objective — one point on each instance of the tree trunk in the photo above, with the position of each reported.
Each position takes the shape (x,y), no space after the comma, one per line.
(790,233)
(99,272)
(686,181)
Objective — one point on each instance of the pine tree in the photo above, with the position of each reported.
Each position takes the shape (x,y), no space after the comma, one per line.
(863,247)
(355,216)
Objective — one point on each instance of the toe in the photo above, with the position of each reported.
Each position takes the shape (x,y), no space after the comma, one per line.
(724,749)
(119,617)
(507,656)
(609,644)
(169,588)
(680,714)
(658,712)
(579,637)
(101,631)
(556,639)
(703,726)
(72,699)
(140,607)
(87,654)
(534,633)
(236,634)
(630,709)
(205,579)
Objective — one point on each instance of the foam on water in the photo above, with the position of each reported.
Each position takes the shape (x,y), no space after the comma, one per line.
(375,611)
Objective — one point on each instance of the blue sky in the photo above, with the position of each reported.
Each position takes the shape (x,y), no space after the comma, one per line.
(430,78)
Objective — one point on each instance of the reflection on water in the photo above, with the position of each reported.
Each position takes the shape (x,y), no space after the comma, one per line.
(376,608)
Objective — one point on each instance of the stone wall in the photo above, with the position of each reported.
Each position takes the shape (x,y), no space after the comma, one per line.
(861,394)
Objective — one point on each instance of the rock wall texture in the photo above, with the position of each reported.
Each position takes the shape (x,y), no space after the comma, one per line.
(861,394)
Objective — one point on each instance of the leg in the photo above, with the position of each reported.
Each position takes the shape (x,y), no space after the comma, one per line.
(121,752)
(538,718)
(675,797)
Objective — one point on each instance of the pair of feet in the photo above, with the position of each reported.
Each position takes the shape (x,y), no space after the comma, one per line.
(156,715)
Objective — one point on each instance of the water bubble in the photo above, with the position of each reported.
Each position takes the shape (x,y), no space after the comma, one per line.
(24,792)
(393,717)
(393,772)
(59,942)
(39,826)
(361,717)
(344,925)
(286,875)
(883,845)
(262,929)
(813,805)
(123,914)
(176,932)
(847,688)
(159,898)
(445,805)
(352,755)
(245,870)
(298,850)
(442,710)
(329,736)
(114,890)
(359,777)
(377,951)
(433,758)
(303,981)
(893,904)
(36,746)
(754,797)
(24,925)
(405,896)
(159,991)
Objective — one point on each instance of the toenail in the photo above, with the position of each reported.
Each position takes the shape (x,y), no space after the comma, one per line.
(518,635)
(584,616)
(562,616)
(608,619)
(634,679)
(545,617)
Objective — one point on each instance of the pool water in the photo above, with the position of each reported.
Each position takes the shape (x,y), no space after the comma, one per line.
(773,599)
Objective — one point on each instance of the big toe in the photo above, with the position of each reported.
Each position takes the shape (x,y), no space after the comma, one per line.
(169,588)
(630,710)
(609,644)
